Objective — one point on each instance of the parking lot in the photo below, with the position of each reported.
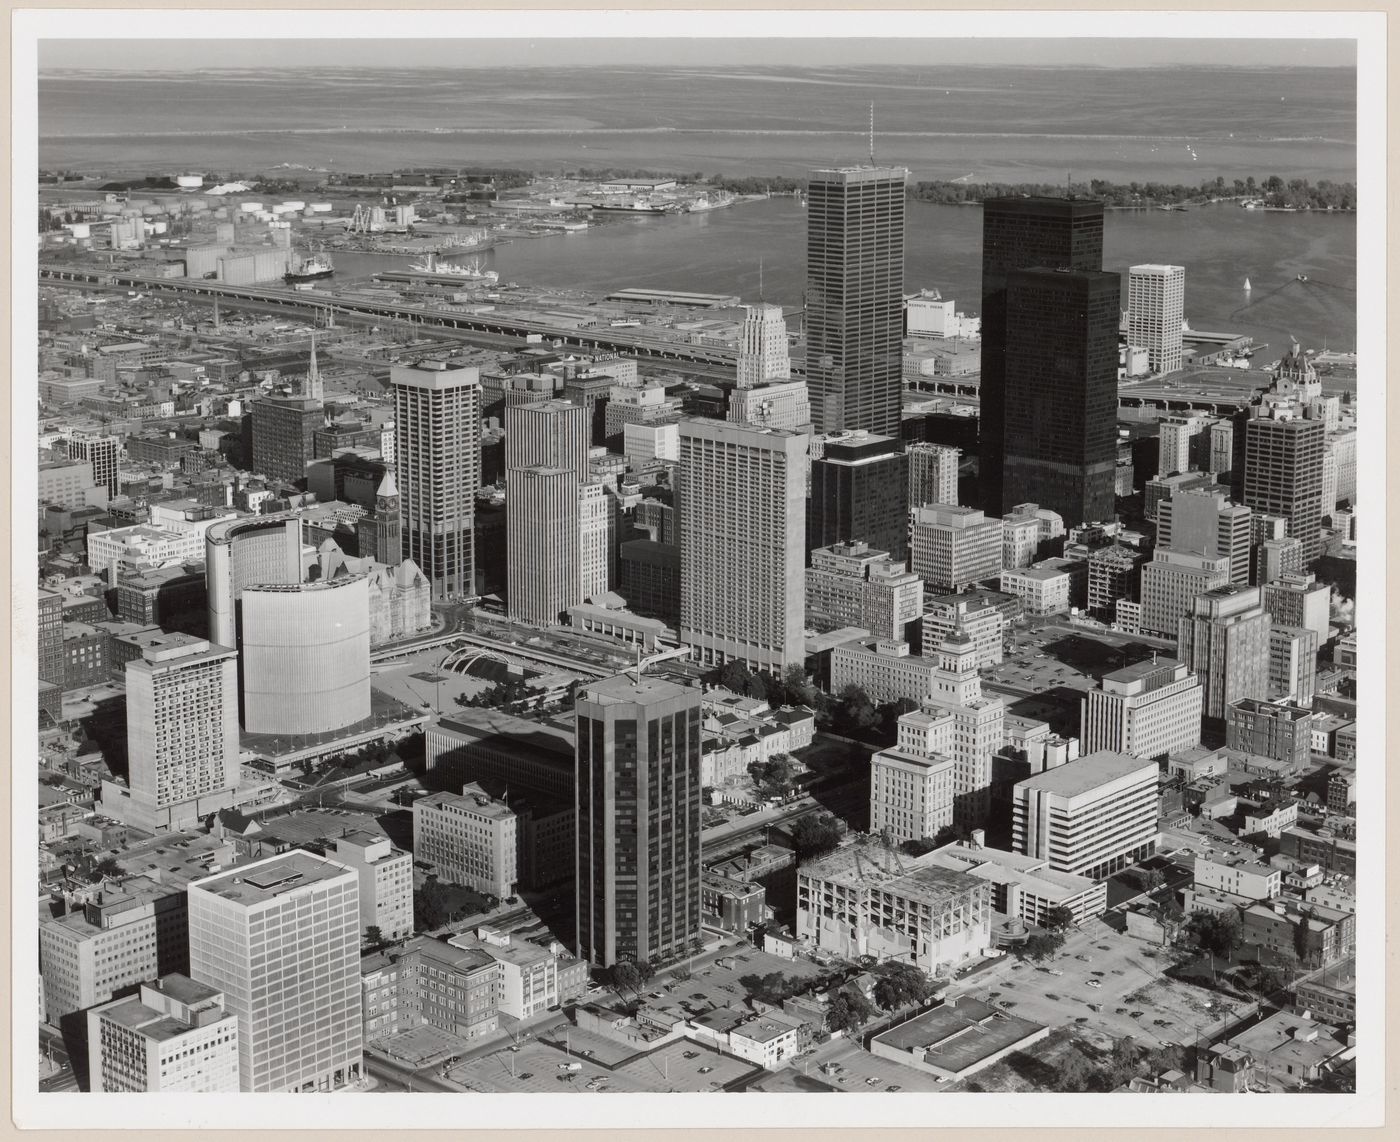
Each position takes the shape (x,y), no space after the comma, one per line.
(1121,975)
(859,1072)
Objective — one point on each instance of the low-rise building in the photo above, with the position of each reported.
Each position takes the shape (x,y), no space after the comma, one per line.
(768,1040)
(1245,878)
(957,1039)
(1330,995)
(977,616)
(1042,590)
(1284,1052)
(1027,888)
(175,1036)
(1280,730)
(734,905)
(1314,935)
(470,839)
(386,882)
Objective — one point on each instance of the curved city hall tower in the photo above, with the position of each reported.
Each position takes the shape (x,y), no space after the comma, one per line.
(306,656)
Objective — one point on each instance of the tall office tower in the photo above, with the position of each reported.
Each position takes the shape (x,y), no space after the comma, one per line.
(763,347)
(305,653)
(1225,638)
(933,474)
(1184,443)
(546,462)
(281,939)
(284,430)
(548,434)
(765,394)
(859,492)
(1093,816)
(101,451)
(855,298)
(437,439)
(181,733)
(1206,523)
(638,813)
(951,548)
(1283,472)
(1170,580)
(1149,709)
(740,519)
(1017,234)
(595,509)
(978,722)
(1156,305)
(175,1035)
(1299,600)
(1222,449)
(1292,664)
(51,637)
(542,544)
(247,552)
(1060,392)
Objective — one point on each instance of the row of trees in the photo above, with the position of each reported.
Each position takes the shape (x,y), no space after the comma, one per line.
(1108,1070)
(849,713)
(896,985)
(1275,191)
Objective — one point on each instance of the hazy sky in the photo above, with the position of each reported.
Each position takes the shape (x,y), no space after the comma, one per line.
(181,55)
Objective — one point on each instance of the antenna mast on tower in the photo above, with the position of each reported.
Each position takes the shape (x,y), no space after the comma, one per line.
(872,134)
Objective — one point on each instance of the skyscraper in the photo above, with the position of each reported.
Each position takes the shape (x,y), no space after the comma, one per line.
(859,492)
(763,347)
(855,297)
(101,451)
(284,431)
(1021,233)
(281,939)
(742,500)
(437,441)
(1283,457)
(933,474)
(181,732)
(546,465)
(638,805)
(1156,304)
(1225,638)
(1060,392)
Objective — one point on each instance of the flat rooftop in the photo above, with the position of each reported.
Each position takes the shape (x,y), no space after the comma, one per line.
(960,1034)
(631,688)
(256,883)
(1087,773)
(870,866)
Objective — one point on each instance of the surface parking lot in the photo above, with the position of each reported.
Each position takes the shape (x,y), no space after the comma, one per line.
(1099,966)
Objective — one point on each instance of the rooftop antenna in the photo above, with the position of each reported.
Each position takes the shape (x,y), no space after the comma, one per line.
(872,134)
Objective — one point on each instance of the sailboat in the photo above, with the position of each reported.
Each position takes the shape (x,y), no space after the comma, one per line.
(1247,286)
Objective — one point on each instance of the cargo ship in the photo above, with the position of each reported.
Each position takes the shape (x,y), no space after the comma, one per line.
(309,269)
(472,271)
(635,206)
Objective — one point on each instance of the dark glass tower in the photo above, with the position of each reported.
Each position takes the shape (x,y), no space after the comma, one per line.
(860,491)
(855,298)
(638,805)
(1019,234)
(1061,392)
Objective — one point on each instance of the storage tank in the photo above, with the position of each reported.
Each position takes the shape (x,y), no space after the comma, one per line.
(202,260)
(294,204)
(320,207)
(250,207)
(306,656)
(79,229)
(160,227)
(190,181)
(280,209)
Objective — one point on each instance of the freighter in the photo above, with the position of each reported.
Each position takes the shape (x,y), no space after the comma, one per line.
(309,269)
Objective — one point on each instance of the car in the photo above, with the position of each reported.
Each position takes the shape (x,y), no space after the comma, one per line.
(513,1048)
(691,1055)
(1006,1003)
(1098,973)
(1134,1014)
(1120,1011)
(1104,948)
(1082,1019)
(1093,983)
(1052,996)
(1055,971)
(894,1087)
(526,1075)
(706,1070)
(1117,971)
(872,1082)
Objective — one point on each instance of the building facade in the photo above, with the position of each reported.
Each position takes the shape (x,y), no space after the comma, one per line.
(952,548)
(1147,710)
(859,490)
(638,805)
(1225,639)
(855,298)
(281,939)
(175,1035)
(470,839)
(1156,305)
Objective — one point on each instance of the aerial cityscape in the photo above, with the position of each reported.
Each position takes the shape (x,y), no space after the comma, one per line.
(669,579)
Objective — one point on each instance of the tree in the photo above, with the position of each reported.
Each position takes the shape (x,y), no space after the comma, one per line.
(374,937)
(901,984)
(774,777)
(953,835)
(798,689)
(918,846)
(812,836)
(645,971)
(1075,1072)
(1059,918)
(854,713)
(625,977)
(430,909)
(734,675)
(1042,945)
(108,866)
(848,1010)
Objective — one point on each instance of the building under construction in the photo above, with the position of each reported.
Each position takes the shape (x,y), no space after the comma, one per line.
(869,900)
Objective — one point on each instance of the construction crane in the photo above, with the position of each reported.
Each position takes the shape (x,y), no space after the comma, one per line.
(892,852)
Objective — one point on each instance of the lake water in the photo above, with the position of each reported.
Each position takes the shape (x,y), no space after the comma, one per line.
(719,252)
(993,124)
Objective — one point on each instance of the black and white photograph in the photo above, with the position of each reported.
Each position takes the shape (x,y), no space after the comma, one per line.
(662,554)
